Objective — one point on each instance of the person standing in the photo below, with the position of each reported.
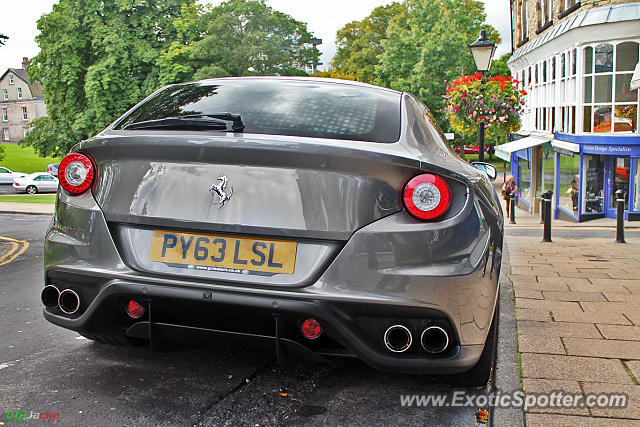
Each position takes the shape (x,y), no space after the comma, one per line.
(508,188)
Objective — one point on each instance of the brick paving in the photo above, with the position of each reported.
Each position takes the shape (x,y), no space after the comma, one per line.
(577,308)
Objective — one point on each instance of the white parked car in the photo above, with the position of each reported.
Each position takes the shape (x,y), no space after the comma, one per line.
(7,176)
(39,182)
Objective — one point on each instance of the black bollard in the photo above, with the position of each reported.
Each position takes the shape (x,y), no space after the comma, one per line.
(620,217)
(512,209)
(546,205)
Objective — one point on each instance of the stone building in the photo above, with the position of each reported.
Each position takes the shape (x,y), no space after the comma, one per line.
(580,137)
(20,103)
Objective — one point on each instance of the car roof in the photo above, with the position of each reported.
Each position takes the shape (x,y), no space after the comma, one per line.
(299,79)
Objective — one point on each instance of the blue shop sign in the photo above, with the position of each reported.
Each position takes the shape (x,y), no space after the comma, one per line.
(611,149)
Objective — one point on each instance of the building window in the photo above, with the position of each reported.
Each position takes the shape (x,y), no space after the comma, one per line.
(10,79)
(5,95)
(5,115)
(24,113)
(545,12)
(19,93)
(525,179)
(566,4)
(569,183)
(593,178)
(636,187)
(522,30)
(610,106)
(5,134)
(25,132)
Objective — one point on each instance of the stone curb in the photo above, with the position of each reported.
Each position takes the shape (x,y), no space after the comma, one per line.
(506,375)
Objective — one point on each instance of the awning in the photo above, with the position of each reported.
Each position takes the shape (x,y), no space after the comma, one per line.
(504,150)
(564,147)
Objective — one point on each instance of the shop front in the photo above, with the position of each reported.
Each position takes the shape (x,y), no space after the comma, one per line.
(583,171)
(590,173)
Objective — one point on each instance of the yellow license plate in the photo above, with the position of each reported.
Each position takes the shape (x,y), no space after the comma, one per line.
(223,253)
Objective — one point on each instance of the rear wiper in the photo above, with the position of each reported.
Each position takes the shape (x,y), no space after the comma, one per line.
(178,122)
(237,126)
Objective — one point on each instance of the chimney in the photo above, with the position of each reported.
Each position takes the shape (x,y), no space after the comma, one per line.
(25,62)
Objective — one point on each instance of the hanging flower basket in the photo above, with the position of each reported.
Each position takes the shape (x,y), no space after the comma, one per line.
(496,102)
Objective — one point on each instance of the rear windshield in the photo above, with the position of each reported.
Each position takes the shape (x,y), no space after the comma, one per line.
(285,107)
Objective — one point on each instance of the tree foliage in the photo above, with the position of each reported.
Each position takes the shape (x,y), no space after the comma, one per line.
(429,46)
(237,38)
(97,58)
(3,39)
(360,42)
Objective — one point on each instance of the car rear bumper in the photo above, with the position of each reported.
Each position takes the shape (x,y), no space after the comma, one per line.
(355,299)
(340,322)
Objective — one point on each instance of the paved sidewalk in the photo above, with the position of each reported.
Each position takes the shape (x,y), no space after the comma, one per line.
(578,324)
(27,208)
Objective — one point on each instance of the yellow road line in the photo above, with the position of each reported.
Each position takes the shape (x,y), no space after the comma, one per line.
(18,247)
(14,247)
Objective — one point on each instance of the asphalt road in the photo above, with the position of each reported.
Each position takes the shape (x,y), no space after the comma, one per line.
(7,189)
(47,368)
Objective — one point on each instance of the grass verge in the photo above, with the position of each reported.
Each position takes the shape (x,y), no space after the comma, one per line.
(30,198)
(23,159)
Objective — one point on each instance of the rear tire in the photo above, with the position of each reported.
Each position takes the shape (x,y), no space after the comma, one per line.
(481,372)
(32,189)
(118,340)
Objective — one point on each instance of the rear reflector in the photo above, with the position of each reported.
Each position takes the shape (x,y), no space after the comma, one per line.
(134,309)
(311,328)
(427,196)
(76,173)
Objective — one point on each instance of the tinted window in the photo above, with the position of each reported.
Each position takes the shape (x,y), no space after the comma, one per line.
(286,107)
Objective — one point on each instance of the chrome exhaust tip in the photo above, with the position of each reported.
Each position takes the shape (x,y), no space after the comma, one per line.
(397,338)
(49,296)
(69,301)
(434,339)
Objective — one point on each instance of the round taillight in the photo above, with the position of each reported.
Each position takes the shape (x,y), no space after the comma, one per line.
(311,328)
(427,196)
(134,309)
(76,173)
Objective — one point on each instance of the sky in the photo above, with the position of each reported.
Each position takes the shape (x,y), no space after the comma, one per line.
(323,18)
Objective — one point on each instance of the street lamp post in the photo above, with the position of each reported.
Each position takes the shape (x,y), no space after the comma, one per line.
(482,51)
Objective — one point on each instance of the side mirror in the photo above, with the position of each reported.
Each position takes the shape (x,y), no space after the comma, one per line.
(487,168)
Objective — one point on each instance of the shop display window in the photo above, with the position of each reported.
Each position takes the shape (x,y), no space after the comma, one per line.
(593,178)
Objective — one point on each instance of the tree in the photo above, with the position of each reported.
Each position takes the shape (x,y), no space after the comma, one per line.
(3,39)
(360,42)
(237,38)
(429,46)
(499,66)
(97,59)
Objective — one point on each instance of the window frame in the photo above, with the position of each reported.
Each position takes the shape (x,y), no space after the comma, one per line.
(5,114)
(25,115)
(19,92)
(591,78)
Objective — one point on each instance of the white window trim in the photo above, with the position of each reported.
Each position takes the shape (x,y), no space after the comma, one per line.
(539,94)
(19,92)
(5,115)
(5,134)
(5,94)
(25,115)
(593,74)
(10,79)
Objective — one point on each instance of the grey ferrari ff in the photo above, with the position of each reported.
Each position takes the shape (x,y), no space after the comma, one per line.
(322,217)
